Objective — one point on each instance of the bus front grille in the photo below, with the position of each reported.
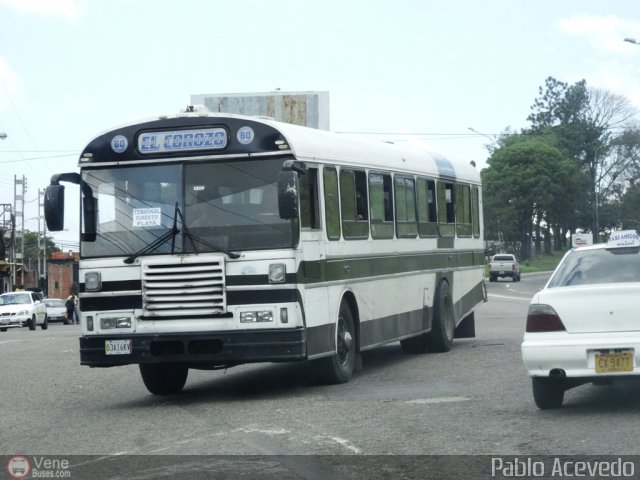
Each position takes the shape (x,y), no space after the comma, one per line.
(190,288)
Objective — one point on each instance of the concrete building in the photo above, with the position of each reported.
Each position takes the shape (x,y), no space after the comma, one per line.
(62,274)
(309,109)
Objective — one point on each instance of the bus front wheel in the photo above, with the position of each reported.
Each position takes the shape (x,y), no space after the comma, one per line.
(164,378)
(339,368)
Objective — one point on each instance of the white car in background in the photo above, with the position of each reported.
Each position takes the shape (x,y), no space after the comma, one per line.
(22,308)
(584,325)
(56,310)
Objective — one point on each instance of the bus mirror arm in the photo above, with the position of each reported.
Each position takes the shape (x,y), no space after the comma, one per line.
(54,204)
(295,166)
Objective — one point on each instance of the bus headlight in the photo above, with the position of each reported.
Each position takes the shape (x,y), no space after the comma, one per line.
(107,323)
(92,281)
(258,316)
(277,273)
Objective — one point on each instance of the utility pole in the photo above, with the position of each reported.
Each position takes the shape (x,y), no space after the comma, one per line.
(42,273)
(19,189)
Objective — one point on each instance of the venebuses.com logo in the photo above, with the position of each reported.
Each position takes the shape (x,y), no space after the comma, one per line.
(18,466)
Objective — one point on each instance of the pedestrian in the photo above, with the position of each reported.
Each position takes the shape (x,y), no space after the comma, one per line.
(71,305)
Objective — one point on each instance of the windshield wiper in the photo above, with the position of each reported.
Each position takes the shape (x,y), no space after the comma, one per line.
(171,234)
(195,238)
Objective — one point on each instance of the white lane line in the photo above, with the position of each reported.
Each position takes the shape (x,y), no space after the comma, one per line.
(510,297)
(424,401)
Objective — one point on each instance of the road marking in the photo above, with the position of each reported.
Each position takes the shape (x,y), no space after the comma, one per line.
(527,299)
(424,401)
(9,341)
(342,441)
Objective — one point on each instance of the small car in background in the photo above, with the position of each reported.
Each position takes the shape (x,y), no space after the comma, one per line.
(584,325)
(504,265)
(56,309)
(22,308)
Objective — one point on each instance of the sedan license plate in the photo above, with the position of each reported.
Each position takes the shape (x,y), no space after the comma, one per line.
(117,347)
(614,362)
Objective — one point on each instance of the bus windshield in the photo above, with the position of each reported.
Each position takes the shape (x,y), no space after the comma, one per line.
(230,206)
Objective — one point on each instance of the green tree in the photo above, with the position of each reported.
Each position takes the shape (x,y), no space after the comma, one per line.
(31,248)
(527,184)
(584,122)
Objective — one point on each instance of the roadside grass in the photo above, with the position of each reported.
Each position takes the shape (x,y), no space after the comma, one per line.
(542,263)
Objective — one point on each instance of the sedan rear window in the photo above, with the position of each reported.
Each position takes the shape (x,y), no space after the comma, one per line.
(589,267)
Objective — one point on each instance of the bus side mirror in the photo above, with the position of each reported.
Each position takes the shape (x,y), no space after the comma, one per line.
(54,207)
(288,187)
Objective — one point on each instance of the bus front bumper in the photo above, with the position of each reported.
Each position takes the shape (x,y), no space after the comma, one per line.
(201,349)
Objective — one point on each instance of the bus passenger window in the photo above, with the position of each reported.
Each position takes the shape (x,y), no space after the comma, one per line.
(331,203)
(427,213)
(446,210)
(309,199)
(381,205)
(463,210)
(475,211)
(353,198)
(406,207)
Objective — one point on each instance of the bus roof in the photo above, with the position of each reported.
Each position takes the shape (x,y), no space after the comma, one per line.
(268,137)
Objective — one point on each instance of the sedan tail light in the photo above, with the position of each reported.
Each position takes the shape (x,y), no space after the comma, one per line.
(543,318)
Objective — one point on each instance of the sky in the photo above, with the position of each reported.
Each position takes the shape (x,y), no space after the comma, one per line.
(431,71)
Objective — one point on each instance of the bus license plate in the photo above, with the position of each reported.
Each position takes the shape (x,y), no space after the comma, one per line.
(614,362)
(117,347)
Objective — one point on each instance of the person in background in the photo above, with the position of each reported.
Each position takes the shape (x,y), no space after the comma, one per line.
(71,303)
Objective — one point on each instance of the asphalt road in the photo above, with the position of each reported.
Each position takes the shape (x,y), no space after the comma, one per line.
(475,399)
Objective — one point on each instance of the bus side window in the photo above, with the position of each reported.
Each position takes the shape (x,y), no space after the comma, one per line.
(331,203)
(463,210)
(446,210)
(309,199)
(381,205)
(475,211)
(353,199)
(406,218)
(427,212)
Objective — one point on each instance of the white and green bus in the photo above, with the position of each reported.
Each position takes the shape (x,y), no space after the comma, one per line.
(211,240)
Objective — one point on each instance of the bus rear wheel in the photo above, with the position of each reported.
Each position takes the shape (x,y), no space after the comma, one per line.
(444,324)
(339,368)
(164,378)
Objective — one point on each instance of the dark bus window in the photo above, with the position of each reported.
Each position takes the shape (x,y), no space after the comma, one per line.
(463,210)
(353,199)
(427,212)
(475,211)
(381,204)
(405,199)
(446,210)
(309,199)
(331,203)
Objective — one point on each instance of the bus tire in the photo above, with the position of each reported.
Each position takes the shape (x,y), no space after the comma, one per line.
(339,368)
(164,378)
(443,327)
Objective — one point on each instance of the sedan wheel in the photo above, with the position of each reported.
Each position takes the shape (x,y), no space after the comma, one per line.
(32,323)
(548,392)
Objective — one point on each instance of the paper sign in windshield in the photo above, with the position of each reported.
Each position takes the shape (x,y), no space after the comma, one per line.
(147,217)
